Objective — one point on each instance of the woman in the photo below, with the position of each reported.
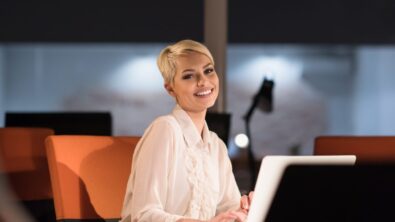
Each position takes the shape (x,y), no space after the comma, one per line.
(181,171)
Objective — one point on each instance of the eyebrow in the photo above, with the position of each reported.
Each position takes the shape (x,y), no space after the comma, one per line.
(207,65)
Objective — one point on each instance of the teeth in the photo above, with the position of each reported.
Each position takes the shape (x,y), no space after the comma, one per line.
(203,93)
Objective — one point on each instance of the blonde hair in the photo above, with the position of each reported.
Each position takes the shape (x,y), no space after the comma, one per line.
(168,56)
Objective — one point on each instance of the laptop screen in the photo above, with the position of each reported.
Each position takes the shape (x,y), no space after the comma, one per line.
(271,172)
(335,193)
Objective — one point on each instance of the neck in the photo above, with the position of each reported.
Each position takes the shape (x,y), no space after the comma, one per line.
(198,119)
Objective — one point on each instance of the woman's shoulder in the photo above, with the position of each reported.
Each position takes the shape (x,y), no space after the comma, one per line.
(165,120)
(217,141)
(166,123)
(163,128)
(214,137)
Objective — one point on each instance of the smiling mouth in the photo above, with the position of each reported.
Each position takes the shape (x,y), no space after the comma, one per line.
(204,93)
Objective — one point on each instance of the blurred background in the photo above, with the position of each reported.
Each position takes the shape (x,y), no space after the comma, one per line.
(333,63)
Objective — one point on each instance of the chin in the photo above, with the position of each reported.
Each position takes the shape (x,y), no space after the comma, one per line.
(203,107)
(211,105)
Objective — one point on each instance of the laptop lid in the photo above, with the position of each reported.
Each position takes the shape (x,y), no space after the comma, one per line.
(335,193)
(271,172)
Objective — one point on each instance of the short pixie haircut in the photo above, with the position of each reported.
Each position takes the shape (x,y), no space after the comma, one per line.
(168,56)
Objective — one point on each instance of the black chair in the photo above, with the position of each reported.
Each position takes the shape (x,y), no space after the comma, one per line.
(63,123)
(220,124)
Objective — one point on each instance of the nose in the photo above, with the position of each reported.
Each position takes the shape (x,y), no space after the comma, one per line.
(201,80)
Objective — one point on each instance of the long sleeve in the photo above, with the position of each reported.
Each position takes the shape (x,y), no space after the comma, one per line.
(152,163)
(230,193)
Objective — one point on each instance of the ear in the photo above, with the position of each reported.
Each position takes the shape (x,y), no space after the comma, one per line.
(169,89)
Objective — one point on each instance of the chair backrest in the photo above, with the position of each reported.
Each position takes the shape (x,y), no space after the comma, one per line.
(219,123)
(24,161)
(368,149)
(89,175)
(64,123)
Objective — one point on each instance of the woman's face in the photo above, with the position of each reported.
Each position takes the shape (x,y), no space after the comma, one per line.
(195,85)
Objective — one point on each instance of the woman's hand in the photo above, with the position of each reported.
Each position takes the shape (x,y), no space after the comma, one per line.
(245,202)
(230,216)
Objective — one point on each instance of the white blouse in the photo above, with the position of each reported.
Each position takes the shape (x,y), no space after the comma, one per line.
(176,173)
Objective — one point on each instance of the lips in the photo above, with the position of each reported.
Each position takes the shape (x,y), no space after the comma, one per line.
(205,92)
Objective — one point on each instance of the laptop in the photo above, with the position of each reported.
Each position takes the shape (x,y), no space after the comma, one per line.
(271,172)
(340,193)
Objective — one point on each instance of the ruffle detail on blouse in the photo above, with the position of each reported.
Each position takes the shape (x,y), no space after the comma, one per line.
(204,197)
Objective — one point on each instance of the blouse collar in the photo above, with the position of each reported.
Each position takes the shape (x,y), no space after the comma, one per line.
(191,134)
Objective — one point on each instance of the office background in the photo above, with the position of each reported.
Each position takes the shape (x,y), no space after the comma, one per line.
(332,64)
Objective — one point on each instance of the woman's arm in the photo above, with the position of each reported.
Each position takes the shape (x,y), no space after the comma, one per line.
(230,194)
(222,217)
(151,166)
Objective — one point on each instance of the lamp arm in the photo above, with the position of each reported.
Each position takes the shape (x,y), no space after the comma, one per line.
(263,90)
(250,111)
(251,156)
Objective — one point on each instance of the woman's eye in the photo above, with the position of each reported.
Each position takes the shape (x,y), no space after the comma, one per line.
(187,76)
(209,70)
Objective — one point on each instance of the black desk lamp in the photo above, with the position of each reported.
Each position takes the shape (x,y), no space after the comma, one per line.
(264,100)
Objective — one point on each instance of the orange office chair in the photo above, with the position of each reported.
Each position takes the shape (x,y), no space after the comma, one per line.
(24,163)
(89,175)
(368,149)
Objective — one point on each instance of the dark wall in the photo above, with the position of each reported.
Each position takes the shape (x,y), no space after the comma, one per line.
(251,21)
(100,21)
(312,21)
